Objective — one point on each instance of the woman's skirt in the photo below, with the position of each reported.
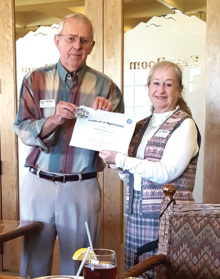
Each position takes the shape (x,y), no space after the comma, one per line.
(139,231)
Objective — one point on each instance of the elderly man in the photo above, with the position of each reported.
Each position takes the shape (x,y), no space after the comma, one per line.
(61,188)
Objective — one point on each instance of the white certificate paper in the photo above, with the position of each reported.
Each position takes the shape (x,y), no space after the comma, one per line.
(103,130)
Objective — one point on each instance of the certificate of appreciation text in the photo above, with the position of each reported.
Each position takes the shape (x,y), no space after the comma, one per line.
(103,130)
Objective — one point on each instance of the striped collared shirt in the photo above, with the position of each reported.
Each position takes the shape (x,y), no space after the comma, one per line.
(41,90)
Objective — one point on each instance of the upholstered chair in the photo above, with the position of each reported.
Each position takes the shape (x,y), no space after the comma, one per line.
(189,242)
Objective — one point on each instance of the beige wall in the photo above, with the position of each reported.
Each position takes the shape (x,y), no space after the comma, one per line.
(212,106)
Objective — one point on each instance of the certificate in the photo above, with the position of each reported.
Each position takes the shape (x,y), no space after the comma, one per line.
(103,130)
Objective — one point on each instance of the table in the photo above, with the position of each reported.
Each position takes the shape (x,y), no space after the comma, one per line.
(45,277)
(10,229)
(9,277)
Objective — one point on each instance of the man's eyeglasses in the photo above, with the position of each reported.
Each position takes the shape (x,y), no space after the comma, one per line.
(70,39)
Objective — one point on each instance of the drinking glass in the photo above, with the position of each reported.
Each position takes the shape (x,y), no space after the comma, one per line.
(103,267)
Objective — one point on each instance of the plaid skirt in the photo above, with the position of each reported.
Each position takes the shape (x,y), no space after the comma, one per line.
(139,231)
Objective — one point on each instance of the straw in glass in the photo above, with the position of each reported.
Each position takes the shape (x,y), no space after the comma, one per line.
(89,236)
(82,263)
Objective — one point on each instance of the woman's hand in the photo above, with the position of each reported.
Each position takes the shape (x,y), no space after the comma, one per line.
(108,156)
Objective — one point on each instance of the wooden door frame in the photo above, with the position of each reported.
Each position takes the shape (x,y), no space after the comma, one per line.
(8,141)
(107,57)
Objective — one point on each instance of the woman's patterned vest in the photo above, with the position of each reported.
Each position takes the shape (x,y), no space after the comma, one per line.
(151,192)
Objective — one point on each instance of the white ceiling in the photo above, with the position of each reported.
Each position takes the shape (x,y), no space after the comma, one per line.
(30,14)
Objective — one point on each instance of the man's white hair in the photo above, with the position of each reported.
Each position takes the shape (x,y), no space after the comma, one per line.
(80,17)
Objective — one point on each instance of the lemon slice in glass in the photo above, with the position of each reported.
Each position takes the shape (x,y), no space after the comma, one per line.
(80,253)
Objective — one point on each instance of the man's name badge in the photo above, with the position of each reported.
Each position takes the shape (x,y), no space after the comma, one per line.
(49,103)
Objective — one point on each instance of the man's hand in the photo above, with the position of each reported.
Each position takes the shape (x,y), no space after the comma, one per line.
(64,110)
(108,156)
(102,103)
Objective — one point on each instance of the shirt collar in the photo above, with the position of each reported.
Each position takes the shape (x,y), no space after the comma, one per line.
(160,117)
(64,74)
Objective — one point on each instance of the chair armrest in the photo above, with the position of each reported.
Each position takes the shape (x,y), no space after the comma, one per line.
(144,266)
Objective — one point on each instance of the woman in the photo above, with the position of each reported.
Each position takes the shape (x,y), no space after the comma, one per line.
(164,149)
